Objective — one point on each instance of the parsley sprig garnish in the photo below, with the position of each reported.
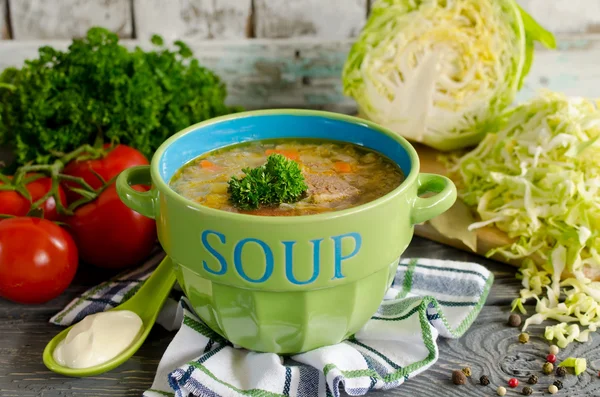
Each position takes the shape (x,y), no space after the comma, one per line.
(279,180)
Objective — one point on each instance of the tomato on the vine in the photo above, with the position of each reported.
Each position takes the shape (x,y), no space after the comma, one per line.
(14,203)
(118,159)
(38,189)
(38,260)
(111,235)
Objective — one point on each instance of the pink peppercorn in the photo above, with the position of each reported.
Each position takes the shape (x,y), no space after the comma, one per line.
(513,382)
(551,358)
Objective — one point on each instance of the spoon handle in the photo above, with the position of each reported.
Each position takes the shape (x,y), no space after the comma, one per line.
(150,297)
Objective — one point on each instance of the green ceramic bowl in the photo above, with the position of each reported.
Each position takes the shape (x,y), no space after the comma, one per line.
(285,284)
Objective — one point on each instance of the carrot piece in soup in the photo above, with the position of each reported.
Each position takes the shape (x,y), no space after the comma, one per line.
(341,166)
(290,154)
(209,165)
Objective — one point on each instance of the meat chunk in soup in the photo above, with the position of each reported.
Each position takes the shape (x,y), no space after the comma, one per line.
(328,188)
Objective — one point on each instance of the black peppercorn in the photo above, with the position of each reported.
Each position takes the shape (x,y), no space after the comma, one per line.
(484,380)
(459,378)
(527,391)
(558,383)
(514,320)
(561,371)
(533,379)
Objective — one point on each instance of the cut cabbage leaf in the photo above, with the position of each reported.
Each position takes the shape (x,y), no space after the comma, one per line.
(538,179)
(578,364)
(440,71)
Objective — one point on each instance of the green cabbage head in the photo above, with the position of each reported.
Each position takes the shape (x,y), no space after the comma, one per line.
(440,71)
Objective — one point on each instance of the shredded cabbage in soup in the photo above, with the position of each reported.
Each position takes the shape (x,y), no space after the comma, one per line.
(338,175)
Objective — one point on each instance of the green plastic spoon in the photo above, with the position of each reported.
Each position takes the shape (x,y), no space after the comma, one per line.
(146,303)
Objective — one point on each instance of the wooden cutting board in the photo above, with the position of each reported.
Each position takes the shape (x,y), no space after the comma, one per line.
(487,237)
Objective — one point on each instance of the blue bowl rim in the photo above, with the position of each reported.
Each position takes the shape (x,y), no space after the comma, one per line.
(163,187)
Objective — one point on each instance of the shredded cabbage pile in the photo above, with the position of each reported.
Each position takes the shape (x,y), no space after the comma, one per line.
(538,180)
(437,71)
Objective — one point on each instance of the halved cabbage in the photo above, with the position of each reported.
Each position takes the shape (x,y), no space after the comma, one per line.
(538,180)
(438,71)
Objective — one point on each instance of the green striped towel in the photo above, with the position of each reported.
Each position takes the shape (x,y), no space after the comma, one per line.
(429,298)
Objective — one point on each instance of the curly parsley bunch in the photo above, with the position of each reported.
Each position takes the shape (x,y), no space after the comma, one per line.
(98,90)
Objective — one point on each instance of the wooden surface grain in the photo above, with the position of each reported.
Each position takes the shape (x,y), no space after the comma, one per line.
(306,73)
(192,19)
(565,16)
(331,19)
(210,19)
(4,33)
(489,347)
(64,19)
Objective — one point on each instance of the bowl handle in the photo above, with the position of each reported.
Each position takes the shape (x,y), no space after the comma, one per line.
(142,202)
(426,208)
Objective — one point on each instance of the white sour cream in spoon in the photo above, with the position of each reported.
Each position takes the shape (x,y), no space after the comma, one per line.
(98,338)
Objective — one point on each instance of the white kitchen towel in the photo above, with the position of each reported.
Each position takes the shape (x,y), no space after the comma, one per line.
(429,298)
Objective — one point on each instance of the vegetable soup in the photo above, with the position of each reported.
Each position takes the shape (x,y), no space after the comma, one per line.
(327,176)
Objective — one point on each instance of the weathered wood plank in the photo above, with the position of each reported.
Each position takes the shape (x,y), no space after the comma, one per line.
(306,73)
(192,19)
(65,19)
(492,348)
(4,34)
(258,73)
(572,69)
(332,19)
(565,16)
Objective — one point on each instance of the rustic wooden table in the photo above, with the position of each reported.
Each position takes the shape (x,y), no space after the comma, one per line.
(489,347)
(265,72)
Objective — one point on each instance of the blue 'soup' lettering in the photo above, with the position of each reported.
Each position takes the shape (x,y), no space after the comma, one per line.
(223,266)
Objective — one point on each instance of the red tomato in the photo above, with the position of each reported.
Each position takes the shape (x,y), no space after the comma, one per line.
(38,189)
(13,203)
(38,260)
(118,159)
(111,235)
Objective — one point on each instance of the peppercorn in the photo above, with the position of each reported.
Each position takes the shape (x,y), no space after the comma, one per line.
(513,382)
(501,391)
(524,337)
(551,358)
(553,389)
(459,378)
(561,371)
(467,371)
(533,379)
(547,368)
(558,384)
(527,391)
(553,350)
(514,320)
(484,380)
